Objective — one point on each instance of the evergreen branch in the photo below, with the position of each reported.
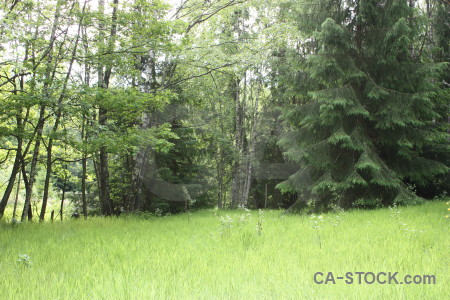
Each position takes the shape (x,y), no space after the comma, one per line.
(387,89)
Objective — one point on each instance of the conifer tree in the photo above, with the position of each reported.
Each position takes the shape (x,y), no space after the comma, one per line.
(360,135)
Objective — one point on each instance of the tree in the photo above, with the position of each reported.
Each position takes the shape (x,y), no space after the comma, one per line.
(32,74)
(359,135)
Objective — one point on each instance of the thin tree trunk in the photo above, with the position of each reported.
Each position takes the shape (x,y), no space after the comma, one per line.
(61,210)
(84,168)
(140,168)
(20,129)
(251,153)
(17,161)
(24,178)
(33,167)
(17,198)
(220,154)
(97,175)
(237,175)
(85,124)
(220,179)
(238,180)
(104,78)
(40,125)
(57,121)
(142,162)
(47,176)
(104,172)
(265,196)
(12,178)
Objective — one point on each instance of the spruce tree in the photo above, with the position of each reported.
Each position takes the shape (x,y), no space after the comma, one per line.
(360,134)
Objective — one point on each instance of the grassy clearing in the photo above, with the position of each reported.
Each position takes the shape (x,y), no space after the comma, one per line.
(202,257)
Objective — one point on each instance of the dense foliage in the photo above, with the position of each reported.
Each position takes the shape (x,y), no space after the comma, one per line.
(368,118)
(144,105)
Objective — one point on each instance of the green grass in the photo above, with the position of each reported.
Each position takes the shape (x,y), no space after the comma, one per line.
(195,257)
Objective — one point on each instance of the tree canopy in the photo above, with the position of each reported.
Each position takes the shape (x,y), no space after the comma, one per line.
(144,105)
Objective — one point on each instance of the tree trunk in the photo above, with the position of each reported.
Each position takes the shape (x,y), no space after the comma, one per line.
(58,119)
(107,208)
(104,76)
(61,210)
(49,75)
(251,154)
(33,167)
(12,178)
(85,124)
(24,178)
(149,85)
(236,184)
(84,169)
(220,178)
(17,198)
(17,161)
(47,177)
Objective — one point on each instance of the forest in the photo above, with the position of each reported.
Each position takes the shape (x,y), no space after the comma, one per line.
(224,149)
(142,105)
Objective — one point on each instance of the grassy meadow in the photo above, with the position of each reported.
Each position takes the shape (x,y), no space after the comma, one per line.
(215,254)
